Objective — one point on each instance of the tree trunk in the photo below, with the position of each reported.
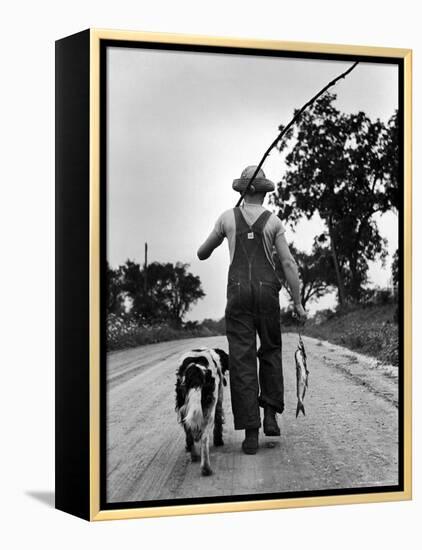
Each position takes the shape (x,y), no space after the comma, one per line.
(340,286)
(355,286)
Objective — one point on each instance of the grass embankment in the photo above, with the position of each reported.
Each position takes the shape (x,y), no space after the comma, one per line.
(370,330)
(124,332)
(151,335)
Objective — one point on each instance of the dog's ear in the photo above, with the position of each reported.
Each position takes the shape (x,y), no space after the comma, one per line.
(224,359)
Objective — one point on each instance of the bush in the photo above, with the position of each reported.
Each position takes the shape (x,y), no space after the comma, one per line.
(120,328)
(191,325)
(287,317)
(378,296)
(125,331)
(216,327)
(324,315)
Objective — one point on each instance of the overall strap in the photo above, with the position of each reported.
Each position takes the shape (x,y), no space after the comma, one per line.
(261,222)
(241,225)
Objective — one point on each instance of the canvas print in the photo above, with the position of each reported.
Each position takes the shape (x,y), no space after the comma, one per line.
(251,310)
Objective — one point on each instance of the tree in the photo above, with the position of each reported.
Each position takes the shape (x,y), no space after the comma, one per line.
(390,162)
(316,272)
(395,267)
(168,295)
(186,290)
(336,168)
(115,295)
(359,241)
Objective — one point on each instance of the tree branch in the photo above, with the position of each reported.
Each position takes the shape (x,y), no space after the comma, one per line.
(289,125)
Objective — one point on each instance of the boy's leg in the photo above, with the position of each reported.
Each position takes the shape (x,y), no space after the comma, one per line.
(244,389)
(270,363)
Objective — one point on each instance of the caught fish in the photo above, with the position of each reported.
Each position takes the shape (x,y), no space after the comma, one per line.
(302,374)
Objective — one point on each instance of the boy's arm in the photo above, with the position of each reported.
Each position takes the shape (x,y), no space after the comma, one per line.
(291,273)
(207,248)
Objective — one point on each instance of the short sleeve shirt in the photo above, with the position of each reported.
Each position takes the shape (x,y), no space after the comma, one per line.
(226,227)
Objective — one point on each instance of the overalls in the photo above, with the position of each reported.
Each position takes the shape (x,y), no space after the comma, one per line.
(253,307)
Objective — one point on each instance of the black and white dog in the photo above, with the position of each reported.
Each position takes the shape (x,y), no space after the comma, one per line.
(200,379)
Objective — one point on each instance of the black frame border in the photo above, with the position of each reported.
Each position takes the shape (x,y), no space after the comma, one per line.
(72,276)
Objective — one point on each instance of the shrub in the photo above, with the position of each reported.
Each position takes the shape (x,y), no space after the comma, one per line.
(324,315)
(378,296)
(287,317)
(125,331)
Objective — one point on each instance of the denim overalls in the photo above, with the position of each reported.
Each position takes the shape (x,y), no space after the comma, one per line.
(253,308)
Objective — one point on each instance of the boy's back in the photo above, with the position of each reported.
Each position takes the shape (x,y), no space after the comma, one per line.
(226,227)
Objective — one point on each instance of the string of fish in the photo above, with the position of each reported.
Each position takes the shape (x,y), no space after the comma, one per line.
(302,374)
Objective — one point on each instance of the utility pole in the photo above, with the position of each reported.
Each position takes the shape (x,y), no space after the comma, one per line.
(146,269)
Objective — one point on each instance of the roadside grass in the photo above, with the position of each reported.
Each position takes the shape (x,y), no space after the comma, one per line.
(370,330)
(123,333)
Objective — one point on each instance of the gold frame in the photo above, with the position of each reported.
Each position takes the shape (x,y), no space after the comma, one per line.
(96,514)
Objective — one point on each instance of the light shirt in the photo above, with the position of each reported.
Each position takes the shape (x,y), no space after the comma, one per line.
(273,230)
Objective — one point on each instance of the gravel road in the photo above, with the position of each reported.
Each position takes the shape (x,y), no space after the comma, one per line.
(348,438)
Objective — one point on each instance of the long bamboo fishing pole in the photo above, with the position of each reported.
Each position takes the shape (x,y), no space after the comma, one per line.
(289,125)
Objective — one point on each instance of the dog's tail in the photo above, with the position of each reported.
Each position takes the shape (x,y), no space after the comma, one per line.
(193,415)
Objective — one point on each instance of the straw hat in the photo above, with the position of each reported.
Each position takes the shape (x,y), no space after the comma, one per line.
(259,185)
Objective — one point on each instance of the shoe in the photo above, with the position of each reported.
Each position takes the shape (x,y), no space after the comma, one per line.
(270,423)
(250,443)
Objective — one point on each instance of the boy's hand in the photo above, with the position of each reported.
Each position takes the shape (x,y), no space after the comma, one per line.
(300,312)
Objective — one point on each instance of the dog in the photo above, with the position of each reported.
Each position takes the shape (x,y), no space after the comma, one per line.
(200,379)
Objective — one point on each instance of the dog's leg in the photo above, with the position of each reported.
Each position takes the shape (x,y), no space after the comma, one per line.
(189,439)
(195,452)
(205,442)
(205,454)
(190,445)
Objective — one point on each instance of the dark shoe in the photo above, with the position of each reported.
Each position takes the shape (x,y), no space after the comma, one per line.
(270,423)
(250,443)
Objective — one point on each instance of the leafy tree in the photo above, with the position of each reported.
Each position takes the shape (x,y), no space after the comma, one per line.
(115,295)
(162,292)
(395,268)
(336,168)
(359,242)
(390,162)
(186,291)
(316,272)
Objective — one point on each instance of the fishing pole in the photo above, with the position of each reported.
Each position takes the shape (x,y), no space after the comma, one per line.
(289,125)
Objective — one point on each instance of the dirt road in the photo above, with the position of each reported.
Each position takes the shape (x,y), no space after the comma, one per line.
(349,437)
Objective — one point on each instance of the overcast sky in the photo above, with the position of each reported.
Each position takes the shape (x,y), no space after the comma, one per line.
(182,126)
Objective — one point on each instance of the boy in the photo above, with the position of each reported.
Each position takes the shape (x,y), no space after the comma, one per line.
(253,306)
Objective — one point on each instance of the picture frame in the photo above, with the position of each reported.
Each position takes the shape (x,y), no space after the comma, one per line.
(82,79)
